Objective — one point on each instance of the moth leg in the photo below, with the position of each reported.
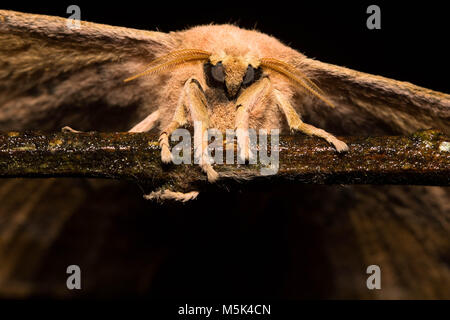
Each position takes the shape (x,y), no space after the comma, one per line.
(194,100)
(147,124)
(179,119)
(248,101)
(198,108)
(295,123)
(163,195)
(69,129)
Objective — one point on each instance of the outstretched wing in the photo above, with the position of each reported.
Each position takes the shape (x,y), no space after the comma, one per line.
(52,75)
(370,104)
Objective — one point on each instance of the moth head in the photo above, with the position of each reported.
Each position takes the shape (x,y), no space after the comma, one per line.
(231,73)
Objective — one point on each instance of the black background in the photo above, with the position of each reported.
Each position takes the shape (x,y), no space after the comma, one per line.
(411,45)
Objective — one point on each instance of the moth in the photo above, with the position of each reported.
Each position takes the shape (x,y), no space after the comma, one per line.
(101,77)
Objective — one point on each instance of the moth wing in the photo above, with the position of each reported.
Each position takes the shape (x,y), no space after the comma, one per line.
(370,104)
(53,75)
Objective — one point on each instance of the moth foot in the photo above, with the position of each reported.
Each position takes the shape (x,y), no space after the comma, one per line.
(246,155)
(210,173)
(244,150)
(69,129)
(339,145)
(166,155)
(166,194)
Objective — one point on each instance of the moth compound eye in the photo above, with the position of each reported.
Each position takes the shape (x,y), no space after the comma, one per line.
(214,75)
(218,73)
(249,76)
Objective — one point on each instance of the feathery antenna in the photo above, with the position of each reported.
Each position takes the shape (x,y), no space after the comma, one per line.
(170,60)
(297,76)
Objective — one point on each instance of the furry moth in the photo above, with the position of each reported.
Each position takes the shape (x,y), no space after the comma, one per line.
(112,78)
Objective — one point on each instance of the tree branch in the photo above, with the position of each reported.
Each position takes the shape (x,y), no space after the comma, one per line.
(420,159)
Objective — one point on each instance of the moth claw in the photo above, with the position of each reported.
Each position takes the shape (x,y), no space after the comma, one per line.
(211,174)
(166,155)
(69,129)
(340,146)
(245,152)
(244,155)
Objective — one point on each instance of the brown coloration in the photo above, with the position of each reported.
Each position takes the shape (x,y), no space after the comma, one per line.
(173,59)
(296,76)
(71,78)
(184,95)
(235,68)
(51,76)
(231,71)
(87,66)
(416,160)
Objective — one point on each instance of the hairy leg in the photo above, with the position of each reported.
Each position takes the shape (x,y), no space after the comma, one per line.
(194,100)
(147,124)
(179,119)
(69,129)
(253,97)
(295,123)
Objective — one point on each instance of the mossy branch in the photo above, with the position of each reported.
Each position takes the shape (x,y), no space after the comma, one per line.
(420,159)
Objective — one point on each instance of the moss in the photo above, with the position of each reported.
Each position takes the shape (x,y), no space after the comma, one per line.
(427,135)
(418,159)
(444,146)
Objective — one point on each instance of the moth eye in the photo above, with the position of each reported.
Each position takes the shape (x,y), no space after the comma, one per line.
(249,76)
(218,73)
